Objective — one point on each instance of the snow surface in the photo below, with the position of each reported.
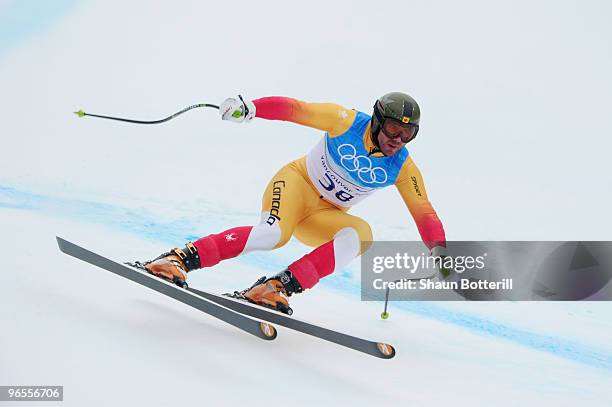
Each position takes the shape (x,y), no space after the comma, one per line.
(107,339)
(514,98)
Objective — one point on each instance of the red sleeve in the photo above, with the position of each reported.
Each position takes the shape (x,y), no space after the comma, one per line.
(275,108)
(431,230)
(328,117)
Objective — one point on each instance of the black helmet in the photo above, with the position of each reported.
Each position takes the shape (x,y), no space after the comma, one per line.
(398,106)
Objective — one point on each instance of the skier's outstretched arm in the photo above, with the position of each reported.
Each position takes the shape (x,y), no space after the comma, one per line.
(329,117)
(412,189)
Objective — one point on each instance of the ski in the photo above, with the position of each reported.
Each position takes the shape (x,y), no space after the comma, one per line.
(377,349)
(262,330)
(229,310)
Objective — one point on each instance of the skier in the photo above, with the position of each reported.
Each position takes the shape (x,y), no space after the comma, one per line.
(309,198)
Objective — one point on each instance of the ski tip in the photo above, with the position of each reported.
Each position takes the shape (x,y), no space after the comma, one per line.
(60,243)
(386,351)
(268,331)
(80,113)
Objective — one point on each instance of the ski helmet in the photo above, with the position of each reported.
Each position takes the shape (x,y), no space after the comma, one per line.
(396,106)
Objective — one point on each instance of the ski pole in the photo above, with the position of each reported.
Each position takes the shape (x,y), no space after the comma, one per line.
(81,113)
(385,314)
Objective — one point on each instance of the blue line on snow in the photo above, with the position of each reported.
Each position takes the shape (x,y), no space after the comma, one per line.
(142,223)
(21,19)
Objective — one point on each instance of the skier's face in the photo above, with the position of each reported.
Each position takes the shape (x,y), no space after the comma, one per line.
(389,146)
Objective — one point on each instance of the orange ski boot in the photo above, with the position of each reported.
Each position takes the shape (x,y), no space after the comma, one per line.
(272,292)
(173,265)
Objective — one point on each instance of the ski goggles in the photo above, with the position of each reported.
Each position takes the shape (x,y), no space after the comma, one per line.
(394,128)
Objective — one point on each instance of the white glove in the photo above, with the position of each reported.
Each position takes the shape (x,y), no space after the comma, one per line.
(237,110)
(439,251)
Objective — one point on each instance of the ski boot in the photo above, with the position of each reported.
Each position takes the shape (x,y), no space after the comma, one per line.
(172,266)
(271,292)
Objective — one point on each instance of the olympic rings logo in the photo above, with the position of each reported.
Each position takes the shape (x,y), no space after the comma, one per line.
(361,164)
